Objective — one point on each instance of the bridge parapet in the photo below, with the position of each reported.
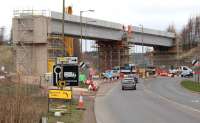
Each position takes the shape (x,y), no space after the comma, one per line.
(86,20)
(153,32)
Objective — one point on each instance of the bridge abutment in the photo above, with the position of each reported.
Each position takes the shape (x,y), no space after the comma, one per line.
(166,56)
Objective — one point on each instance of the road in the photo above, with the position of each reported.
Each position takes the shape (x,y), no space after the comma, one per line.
(160,100)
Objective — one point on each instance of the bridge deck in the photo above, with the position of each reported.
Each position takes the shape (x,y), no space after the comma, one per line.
(104,30)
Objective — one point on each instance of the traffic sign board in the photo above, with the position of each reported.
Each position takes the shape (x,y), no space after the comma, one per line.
(194,62)
(60,94)
(82,64)
(72,60)
(69,74)
(67,60)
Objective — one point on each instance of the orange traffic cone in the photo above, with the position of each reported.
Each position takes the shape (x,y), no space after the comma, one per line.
(80,103)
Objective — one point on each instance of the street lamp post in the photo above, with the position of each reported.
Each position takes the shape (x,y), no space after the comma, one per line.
(63,27)
(142,43)
(81,13)
(81,33)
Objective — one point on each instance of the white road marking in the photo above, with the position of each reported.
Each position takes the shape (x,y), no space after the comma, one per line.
(195,101)
(171,101)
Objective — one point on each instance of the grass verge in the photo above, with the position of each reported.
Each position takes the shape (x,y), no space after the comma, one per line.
(71,116)
(191,85)
(21,103)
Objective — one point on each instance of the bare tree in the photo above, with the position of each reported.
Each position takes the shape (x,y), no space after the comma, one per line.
(2,31)
(190,34)
(171,28)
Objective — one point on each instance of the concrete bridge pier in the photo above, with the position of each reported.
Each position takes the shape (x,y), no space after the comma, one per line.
(166,56)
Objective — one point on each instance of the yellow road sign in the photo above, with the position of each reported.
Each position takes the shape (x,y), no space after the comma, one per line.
(60,94)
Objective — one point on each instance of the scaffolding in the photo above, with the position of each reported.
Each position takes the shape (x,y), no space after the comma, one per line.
(26,13)
(114,53)
(58,48)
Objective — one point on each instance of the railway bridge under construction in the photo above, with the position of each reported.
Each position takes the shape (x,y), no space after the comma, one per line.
(37,38)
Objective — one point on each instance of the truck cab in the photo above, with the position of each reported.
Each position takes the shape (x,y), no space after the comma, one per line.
(128,69)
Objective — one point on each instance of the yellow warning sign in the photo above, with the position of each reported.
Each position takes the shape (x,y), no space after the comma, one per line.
(60,94)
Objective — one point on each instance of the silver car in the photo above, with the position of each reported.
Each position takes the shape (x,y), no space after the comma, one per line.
(128,83)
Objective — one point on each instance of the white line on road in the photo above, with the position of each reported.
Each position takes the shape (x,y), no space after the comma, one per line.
(195,101)
(171,101)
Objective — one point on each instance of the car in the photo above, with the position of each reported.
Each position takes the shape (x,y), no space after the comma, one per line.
(115,74)
(107,74)
(186,74)
(186,71)
(128,83)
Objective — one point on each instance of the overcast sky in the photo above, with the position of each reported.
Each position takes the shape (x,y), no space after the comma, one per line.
(156,14)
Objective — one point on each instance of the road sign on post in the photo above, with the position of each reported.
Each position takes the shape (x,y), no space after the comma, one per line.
(70,74)
(65,73)
(195,62)
(82,65)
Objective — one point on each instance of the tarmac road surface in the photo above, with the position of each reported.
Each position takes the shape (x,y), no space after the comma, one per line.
(160,100)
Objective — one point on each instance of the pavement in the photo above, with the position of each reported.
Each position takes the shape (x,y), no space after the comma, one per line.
(156,100)
(89,114)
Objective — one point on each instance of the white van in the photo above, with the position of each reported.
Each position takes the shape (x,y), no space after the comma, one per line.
(185,71)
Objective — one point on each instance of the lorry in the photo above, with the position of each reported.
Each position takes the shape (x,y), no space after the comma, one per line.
(130,69)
